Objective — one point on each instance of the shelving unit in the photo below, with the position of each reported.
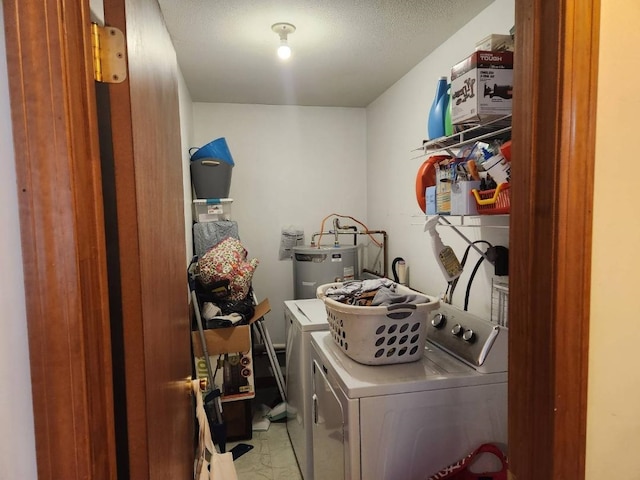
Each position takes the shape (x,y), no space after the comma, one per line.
(484,221)
(466,221)
(444,221)
(498,128)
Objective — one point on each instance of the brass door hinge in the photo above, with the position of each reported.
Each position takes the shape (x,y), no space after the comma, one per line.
(109,54)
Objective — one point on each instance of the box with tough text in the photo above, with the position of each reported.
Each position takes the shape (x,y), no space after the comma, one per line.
(481,87)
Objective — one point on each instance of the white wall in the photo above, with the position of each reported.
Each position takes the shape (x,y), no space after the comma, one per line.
(17,440)
(186,130)
(396,124)
(613,418)
(293,166)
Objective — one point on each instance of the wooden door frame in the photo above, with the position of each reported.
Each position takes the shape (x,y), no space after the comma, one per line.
(57,155)
(62,229)
(550,238)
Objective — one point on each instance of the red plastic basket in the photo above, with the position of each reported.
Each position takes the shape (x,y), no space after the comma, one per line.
(493,202)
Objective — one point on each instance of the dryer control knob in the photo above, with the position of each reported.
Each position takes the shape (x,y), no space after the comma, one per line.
(438,320)
(469,336)
(457,330)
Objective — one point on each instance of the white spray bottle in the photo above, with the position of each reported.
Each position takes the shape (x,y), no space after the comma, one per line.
(445,256)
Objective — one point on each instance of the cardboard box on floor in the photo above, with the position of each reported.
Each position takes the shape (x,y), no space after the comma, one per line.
(230,350)
(230,339)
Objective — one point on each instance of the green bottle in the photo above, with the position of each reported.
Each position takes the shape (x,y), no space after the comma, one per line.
(448,126)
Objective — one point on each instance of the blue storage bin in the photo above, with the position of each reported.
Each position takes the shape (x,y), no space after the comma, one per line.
(217,148)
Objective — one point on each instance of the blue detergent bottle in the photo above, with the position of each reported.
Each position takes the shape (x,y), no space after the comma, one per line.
(435,122)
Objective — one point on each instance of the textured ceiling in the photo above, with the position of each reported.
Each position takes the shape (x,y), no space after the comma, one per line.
(345,53)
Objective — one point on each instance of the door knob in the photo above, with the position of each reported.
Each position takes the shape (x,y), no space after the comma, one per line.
(202,383)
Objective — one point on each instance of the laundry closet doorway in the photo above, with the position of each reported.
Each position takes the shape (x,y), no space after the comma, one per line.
(550,240)
(109,329)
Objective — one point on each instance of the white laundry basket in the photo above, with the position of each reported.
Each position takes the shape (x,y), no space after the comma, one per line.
(379,335)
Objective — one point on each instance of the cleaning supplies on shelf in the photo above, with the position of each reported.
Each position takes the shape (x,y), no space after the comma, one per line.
(435,122)
(495,163)
(426,178)
(448,125)
(445,256)
(498,167)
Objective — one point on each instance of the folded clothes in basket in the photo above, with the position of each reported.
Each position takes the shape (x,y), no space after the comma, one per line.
(376,292)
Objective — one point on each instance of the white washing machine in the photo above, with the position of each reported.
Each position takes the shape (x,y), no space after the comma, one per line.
(408,421)
(302,317)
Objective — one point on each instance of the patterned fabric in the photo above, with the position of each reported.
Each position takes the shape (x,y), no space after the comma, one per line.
(228,260)
(207,234)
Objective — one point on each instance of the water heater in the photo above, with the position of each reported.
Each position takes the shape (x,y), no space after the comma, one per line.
(313,266)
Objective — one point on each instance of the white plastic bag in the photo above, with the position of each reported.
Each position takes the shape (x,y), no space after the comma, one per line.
(210,464)
(290,236)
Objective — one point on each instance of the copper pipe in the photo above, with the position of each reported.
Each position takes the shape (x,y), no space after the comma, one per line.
(385,256)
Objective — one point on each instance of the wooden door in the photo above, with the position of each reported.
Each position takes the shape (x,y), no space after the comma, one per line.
(75,371)
(150,312)
(63,241)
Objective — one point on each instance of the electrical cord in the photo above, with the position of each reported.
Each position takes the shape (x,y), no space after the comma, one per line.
(446,297)
(473,274)
(454,283)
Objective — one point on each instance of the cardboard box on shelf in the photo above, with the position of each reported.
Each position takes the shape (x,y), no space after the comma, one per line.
(444,178)
(430,199)
(481,87)
(495,42)
(230,356)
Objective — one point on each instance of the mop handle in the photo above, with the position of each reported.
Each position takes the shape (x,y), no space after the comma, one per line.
(203,340)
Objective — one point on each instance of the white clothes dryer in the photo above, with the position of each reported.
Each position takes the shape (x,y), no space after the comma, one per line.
(302,317)
(408,421)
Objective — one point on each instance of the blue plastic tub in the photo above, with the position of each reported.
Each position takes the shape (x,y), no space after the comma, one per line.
(217,148)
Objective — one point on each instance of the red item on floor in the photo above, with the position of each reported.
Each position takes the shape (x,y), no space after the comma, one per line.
(460,470)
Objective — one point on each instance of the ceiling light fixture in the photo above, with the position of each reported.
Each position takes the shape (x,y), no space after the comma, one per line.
(283,29)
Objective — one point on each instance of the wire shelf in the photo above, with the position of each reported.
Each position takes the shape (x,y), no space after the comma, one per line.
(498,128)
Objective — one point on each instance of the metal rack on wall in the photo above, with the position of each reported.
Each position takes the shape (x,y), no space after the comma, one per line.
(498,128)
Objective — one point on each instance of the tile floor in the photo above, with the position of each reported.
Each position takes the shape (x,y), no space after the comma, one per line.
(271,458)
